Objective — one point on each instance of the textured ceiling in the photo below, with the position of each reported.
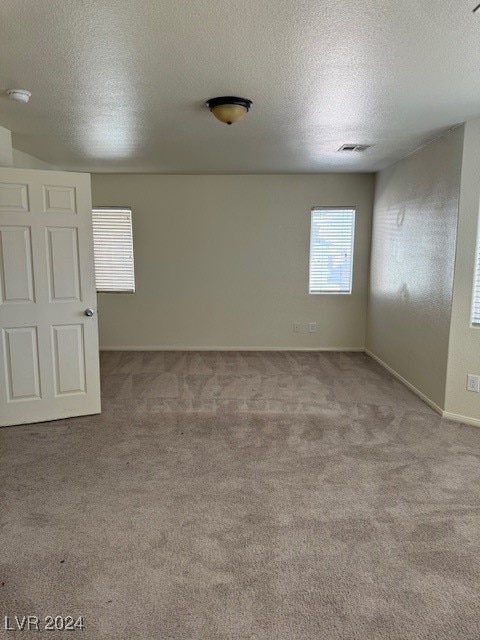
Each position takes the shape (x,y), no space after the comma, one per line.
(119,85)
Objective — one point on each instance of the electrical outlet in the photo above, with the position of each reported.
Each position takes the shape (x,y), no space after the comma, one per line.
(296,327)
(312,327)
(473,383)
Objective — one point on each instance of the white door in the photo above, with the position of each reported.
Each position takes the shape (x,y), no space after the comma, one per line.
(49,342)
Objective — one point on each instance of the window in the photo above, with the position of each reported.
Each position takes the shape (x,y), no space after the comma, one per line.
(331,250)
(476,286)
(113,249)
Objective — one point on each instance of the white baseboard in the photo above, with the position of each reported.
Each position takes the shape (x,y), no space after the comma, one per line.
(191,348)
(408,384)
(445,414)
(458,418)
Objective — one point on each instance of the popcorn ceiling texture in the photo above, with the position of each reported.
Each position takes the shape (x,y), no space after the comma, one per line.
(228,496)
(120,85)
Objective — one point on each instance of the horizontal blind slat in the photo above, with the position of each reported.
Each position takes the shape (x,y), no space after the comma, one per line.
(331,250)
(113,249)
(476,286)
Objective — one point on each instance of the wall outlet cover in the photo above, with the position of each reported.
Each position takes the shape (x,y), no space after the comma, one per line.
(312,327)
(473,383)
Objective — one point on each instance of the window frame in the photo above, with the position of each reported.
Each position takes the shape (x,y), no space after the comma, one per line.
(353,209)
(118,208)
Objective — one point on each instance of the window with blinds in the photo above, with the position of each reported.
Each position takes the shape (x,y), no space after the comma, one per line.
(113,249)
(476,287)
(331,250)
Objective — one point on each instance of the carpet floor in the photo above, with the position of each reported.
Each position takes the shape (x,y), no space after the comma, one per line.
(241,496)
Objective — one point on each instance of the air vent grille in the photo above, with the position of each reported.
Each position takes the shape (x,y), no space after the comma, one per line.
(358,148)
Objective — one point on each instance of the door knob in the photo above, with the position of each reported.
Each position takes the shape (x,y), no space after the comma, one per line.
(89,312)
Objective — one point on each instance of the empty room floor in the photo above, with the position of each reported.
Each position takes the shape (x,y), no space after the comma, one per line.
(254,495)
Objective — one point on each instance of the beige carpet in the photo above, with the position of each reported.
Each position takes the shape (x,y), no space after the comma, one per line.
(225,496)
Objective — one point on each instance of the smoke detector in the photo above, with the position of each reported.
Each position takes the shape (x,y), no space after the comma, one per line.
(359,148)
(19,95)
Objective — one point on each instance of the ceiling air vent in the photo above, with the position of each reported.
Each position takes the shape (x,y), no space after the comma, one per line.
(359,148)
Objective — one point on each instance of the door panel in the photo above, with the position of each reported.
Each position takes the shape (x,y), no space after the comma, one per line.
(63,262)
(59,199)
(49,347)
(21,363)
(13,197)
(16,273)
(69,357)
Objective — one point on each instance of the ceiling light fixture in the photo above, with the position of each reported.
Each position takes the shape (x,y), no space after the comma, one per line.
(477,8)
(19,95)
(229,109)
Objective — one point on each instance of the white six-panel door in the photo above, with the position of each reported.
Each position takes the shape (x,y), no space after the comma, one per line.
(48,345)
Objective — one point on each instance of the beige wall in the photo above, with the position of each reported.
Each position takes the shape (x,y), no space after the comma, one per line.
(22,160)
(6,156)
(464,351)
(222,262)
(10,157)
(412,264)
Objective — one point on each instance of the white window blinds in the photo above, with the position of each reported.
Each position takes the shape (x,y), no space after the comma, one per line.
(113,248)
(476,287)
(331,250)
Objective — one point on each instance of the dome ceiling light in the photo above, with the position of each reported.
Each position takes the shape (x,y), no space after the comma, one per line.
(229,109)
